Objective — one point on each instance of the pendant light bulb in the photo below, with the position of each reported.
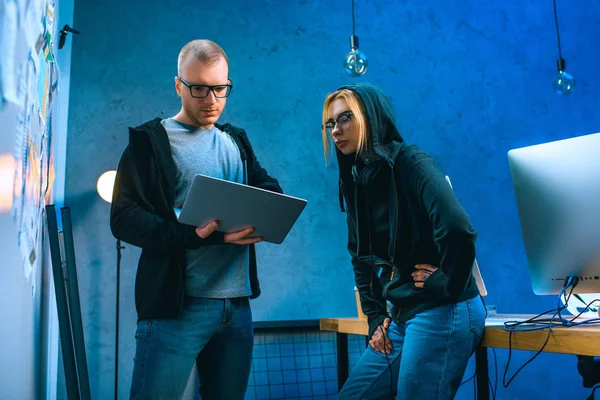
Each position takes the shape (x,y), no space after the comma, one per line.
(355,63)
(563,83)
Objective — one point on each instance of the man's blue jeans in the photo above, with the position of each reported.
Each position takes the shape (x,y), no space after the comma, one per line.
(428,359)
(216,334)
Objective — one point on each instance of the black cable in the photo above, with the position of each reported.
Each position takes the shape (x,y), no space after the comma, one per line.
(494,387)
(469,380)
(504,383)
(117,316)
(591,396)
(352,17)
(588,306)
(373,271)
(555,22)
(544,323)
(475,374)
(388,359)
(511,328)
(484,305)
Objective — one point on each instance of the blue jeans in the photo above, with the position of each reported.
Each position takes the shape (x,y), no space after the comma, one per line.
(428,359)
(216,334)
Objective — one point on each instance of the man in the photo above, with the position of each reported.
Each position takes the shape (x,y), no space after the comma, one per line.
(193,284)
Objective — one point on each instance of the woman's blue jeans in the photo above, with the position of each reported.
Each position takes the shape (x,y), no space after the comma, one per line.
(428,359)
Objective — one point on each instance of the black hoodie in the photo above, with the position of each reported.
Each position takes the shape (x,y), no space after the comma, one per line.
(401,212)
(142,215)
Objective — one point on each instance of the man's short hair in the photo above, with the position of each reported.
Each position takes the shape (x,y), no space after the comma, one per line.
(202,49)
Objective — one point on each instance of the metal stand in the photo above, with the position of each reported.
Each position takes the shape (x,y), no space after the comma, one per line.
(119,248)
(342,358)
(68,306)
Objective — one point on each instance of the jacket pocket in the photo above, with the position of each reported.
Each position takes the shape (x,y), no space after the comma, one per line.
(387,273)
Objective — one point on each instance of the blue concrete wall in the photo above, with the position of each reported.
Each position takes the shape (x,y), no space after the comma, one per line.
(469,81)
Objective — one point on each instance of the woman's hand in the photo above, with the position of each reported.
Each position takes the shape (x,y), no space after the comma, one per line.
(379,340)
(422,273)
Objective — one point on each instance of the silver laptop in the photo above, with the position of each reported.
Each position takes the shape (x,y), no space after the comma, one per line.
(476,271)
(557,190)
(237,207)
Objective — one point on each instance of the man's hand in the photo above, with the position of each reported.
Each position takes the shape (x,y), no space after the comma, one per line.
(240,237)
(422,273)
(379,340)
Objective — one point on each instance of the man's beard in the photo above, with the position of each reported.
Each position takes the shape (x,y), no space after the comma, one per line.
(194,117)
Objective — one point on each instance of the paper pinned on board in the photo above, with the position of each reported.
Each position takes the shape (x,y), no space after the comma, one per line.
(8,41)
(31,22)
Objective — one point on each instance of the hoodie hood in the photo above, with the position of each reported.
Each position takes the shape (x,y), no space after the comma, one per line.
(384,135)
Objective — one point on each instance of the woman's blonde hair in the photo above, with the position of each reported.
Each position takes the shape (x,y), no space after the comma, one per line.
(360,119)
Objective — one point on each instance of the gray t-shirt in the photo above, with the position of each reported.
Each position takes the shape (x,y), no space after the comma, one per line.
(211,271)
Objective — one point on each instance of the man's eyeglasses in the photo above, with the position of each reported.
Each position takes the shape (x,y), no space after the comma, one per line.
(201,91)
(343,121)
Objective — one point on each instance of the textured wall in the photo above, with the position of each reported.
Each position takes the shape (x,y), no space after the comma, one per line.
(22,330)
(469,80)
(29,332)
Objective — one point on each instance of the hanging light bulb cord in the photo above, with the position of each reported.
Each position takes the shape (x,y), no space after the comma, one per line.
(353,38)
(564,82)
(355,62)
(353,16)
(555,22)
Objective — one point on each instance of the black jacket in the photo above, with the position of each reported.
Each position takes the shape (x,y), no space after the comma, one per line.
(142,214)
(401,212)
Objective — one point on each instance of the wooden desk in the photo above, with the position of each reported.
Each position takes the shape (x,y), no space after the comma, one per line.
(579,340)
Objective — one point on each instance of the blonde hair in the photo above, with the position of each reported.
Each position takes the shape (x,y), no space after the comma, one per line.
(360,118)
(202,49)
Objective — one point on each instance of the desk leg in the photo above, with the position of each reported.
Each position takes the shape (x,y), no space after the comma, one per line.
(342,358)
(481,368)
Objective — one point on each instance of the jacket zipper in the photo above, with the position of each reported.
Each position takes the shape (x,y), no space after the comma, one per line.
(394,188)
(392,263)
(354,176)
(182,297)
(370,242)
(395,222)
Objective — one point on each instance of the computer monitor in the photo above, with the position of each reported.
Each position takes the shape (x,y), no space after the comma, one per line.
(557,191)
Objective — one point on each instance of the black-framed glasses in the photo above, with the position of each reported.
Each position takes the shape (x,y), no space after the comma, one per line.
(343,121)
(201,91)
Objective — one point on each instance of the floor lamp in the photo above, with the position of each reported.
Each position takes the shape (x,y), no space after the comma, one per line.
(104,187)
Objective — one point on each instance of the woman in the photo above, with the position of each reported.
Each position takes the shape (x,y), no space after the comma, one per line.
(412,245)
